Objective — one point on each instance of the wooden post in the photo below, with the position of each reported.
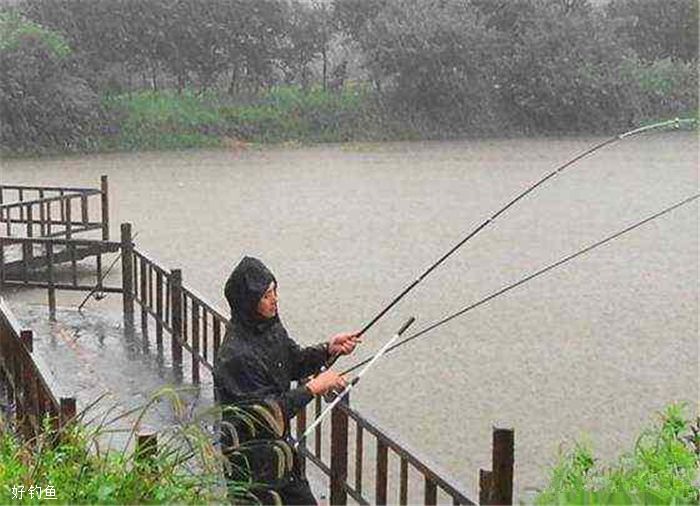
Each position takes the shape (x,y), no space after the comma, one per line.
(42,215)
(359,451)
(485,482)
(217,338)
(301,428)
(195,342)
(27,338)
(403,482)
(317,431)
(52,289)
(68,410)
(430,492)
(146,450)
(69,218)
(143,292)
(339,455)
(176,316)
(84,209)
(2,265)
(503,457)
(49,218)
(104,188)
(30,221)
(159,310)
(146,445)
(30,233)
(381,479)
(127,248)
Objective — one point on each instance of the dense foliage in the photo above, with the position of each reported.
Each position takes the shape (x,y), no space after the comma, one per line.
(79,466)
(663,468)
(426,68)
(44,103)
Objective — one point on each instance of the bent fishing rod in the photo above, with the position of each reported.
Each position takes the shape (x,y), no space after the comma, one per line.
(524,280)
(664,124)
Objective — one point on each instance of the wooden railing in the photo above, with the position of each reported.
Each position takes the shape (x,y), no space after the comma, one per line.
(495,487)
(42,255)
(27,388)
(52,211)
(197,327)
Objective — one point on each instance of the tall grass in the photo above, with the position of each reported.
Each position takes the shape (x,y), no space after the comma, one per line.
(662,468)
(186,467)
(167,119)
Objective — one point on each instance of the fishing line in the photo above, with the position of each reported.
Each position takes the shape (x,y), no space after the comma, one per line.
(526,279)
(670,123)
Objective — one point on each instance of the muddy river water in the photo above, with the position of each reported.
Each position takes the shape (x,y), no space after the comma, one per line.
(591,350)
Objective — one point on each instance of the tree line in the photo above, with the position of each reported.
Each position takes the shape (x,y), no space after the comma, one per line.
(447,66)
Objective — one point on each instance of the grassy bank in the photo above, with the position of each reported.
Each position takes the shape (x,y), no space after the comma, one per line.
(171,120)
(662,468)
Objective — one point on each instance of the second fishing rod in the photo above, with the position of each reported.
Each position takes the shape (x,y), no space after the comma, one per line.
(676,123)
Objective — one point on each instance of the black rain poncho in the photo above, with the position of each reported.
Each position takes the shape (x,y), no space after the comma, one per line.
(257,361)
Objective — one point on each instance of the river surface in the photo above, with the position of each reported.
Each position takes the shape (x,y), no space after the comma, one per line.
(590,350)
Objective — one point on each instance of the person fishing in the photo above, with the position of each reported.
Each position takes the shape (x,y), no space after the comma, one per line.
(253,371)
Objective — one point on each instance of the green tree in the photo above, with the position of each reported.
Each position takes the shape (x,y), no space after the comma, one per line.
(44,103)
(558,68)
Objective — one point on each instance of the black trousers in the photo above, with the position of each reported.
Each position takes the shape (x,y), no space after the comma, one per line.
(297,491)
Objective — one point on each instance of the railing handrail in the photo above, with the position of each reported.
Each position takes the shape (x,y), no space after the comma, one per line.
(158,268)
(67,196)
(44,188)
(53,240)
(427,468)
(200,300)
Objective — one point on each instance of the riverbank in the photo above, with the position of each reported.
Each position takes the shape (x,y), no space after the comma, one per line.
(171,120)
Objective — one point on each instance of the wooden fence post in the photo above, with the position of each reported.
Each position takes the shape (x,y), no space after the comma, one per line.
(104,189)
(176,316)
(27,338)
(2,264)
(301,428)
(68,410)
(127,248)
(485,487)
(339,455)
(144,290)
(52,288)
(195,343)
(503,457)
(146,450)
(496,486)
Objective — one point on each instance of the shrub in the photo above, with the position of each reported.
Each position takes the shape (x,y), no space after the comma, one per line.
(662,469)
(186,468)
(663,88)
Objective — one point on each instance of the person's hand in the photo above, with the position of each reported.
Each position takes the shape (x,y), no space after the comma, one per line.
(343,344)
(326,382)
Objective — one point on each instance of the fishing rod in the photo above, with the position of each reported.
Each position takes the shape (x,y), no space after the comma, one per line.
(355,380)
(100,279)
(526,279)
(670,123)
